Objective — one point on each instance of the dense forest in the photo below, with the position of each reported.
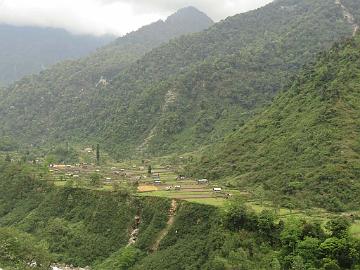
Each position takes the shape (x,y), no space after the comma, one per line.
(189,92)
(305,145)
(69,83)
(44,224)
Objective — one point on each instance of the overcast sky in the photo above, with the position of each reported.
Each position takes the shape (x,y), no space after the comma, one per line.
(110,16)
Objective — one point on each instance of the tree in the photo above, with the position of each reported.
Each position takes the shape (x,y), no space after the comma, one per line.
(275,264)
(308,249)
(260,194)
(298,263)
(339,227)
(95,179)
(330,265)
(20,250)
(8,158)
(238,216)
(291,234)
(98,154)
(149,169)
(266,225)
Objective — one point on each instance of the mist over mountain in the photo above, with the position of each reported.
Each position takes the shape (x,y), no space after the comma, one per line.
(28,50)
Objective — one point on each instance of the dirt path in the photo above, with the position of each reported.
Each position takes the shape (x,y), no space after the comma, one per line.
(166,230)
(348,16)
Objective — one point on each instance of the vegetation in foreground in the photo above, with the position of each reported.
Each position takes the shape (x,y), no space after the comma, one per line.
(87,227)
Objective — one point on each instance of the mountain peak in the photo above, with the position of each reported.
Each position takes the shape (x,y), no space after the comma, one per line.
(189,14)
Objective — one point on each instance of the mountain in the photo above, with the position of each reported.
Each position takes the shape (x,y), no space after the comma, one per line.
(28,50)
(68,82)
(184,94)
(306,144)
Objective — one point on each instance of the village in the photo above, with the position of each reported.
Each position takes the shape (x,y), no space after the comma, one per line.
(161,177)
(158,178)
(145,178)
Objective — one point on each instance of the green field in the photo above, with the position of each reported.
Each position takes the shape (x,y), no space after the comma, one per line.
(355,229)
(190,192)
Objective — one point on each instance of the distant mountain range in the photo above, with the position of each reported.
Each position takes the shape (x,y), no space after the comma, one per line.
(28,50)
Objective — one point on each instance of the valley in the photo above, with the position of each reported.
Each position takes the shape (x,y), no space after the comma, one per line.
(190,144)
(167,180)
(129,226)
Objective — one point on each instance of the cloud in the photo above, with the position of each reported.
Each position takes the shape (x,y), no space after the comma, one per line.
(110,16)
(217,9)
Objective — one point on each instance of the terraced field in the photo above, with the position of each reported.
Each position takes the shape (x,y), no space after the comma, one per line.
(134,175)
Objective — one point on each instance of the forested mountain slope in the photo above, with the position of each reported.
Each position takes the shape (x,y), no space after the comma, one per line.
(186,93)
(306,144)
(28,50)
(71,82)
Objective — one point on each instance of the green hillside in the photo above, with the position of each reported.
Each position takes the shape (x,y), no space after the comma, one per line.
(43,224)
(306,144)
(186,93)
(61,92)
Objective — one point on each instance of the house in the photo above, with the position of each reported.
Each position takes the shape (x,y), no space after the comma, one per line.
(58,166)
(177,187)
(217,189)
(157,182)
(181,177)
(203,182)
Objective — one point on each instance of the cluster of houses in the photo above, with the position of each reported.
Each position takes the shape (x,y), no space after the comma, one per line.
(177,187)
(74,171)
(158,182)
